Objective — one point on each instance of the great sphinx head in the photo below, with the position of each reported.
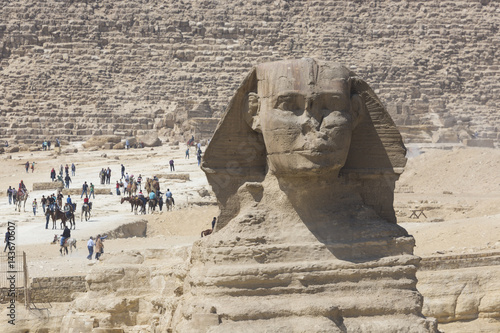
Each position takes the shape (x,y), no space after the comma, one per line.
(305,118)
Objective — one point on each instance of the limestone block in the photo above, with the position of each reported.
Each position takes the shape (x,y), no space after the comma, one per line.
(99,141)
(120,145)
(485,143)
(150,140)
(48,186)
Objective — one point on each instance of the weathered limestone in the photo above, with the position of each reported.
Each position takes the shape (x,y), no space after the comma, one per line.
(461,287)
(57,185)
(303,165)
(74,69)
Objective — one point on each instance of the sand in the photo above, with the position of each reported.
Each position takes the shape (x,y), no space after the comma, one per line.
(458,190)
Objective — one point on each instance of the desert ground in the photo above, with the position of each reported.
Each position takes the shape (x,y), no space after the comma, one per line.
(457,188)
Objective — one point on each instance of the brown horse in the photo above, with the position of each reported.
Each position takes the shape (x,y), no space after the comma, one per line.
(152,205)
(135,202)
(169,202)
(60,215)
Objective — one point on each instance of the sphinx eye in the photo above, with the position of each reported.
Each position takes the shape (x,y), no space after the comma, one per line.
(294,103)
(329,103)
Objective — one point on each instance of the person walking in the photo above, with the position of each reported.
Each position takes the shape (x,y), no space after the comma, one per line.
(67,179)
(172,168)
(73,169)
(53,174)
(9,194)
(187,153)
(32,167)
(27,166)
(139,182)
(90,246)
(99,246)
(123,171)
(84,189)
(7,241)
(35,206)
(44,202)
(92,191)
(117,188)
(213,223)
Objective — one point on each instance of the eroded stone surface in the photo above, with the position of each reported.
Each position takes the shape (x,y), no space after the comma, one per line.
(303,164)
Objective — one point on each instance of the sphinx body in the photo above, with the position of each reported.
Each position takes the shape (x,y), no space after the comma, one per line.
(303,165)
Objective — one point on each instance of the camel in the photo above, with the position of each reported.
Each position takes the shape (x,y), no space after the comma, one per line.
(152,185)
(21,198)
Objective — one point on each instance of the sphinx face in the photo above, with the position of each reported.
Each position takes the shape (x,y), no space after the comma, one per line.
(308,130)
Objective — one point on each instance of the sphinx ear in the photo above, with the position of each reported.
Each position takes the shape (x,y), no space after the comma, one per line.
(251,111)
(358,109)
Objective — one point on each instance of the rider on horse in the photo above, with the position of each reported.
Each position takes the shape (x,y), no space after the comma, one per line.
(168,194)
(87,202)
(65,235)
(69,207)
(141,196)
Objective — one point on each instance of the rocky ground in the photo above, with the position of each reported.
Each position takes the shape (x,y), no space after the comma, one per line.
(458,190)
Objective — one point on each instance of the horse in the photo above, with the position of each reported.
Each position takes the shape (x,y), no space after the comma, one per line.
(71,214)
(206,232)
(59,215)
(169,202)
(70,242)
(135,202)
(86,211)
(21,197)
(152,205)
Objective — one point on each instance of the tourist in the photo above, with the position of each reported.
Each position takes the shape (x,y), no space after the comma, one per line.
(27,166)
(67,179)
(44,202)
(99,246)
(53,174)
(90,246)
(160,200)
(65,235)
(213,223)
(84,189)
(7,241)
(32,167)
(66,169)
(48,145)
(187,153)
(117,188)
(108,176)
(35,206)
(168,195)
(47,217)
(172,168)
(139,181)
(9,194)
(92,191)
(73,169)
(123,171)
